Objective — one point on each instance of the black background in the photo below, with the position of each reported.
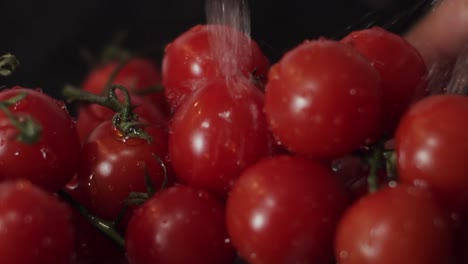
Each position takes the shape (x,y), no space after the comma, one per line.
(48,37)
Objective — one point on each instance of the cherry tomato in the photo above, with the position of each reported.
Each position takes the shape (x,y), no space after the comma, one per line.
(90,116)
(323,99)
(112,165)
(206,52)
(179,225)
(51,161)
(137,74)
(284,209)
(401,67)
(35,226)
(432,146)
(217,133)
(403,224)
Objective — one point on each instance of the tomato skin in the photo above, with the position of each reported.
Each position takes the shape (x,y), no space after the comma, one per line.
(402,224)
(36,226)
(432,146)
(50,162)
(323,99)
(112,166)
(284,210)
(218,133)
(90,116)
(136,74)
(402,70)
(180,224)
(199,55)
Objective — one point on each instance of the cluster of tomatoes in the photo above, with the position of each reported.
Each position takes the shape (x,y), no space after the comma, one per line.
(335,154)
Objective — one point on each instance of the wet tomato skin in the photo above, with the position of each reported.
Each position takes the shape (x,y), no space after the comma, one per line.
(112,166)
(402,224)
(36,226)
(432,146)
(284,209)
(403,73)
(178,225)
(217,133)
(51,161)
(207,52)
(323,99)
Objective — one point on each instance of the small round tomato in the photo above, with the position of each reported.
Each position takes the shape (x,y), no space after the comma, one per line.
(402,224)
(218,133)
(206,52)
(112,165)
(90,116)
(432,146)
(137,74)
(35,227)
(323,99)
(179,225)
(51,161)
(402,70)
(284,209)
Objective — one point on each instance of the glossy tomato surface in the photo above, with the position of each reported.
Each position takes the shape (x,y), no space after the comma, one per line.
(432,146)
(402,224)
(284,210)
(207,52)
(112,165)
(51,161)
(180,224)
(217,133)
(323,99)
(403,73)
(35,226)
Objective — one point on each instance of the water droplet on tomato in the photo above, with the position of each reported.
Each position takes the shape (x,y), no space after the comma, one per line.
(344,254)
(353,92)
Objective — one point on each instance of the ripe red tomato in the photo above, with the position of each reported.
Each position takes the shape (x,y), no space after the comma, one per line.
(206,52)
(90,116)
(402,70)
(35,226)
(179,225)
(403,224)
(51,161)
(137,74)
(284,209)
(112,165)
(432,146)
(218,133)
(323,99)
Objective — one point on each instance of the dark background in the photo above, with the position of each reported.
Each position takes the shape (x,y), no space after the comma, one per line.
(48,37)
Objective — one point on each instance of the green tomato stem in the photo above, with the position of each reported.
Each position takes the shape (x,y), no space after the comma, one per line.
(125,120)
(30,130)
(375,162)
(8,64)
(106,227)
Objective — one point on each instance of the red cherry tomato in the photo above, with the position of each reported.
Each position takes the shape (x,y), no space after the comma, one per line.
(206,52)
(112,165)
(218,133)
(284,209)
(137,75)
(90,116)
(403,224)
(179,225)
(401,67)
(35,226)
(51,161)
(432,146)
(323,99)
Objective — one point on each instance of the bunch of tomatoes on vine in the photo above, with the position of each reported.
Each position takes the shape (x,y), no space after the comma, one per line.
(336,153)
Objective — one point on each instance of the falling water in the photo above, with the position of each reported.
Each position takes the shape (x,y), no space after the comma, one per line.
(227,48)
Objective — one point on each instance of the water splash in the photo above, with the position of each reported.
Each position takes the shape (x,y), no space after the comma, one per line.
(228,47)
